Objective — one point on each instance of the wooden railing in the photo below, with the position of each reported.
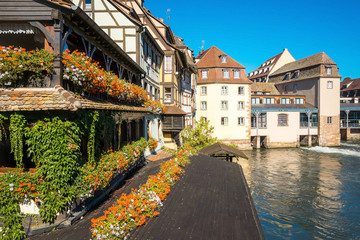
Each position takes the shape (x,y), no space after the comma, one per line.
(174,123)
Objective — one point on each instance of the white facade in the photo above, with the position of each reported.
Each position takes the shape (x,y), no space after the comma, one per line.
(220,106)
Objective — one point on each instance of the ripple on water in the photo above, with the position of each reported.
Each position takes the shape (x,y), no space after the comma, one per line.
(307,193)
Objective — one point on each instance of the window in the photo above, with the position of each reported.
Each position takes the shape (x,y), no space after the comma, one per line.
(287,76)
(205,119)
(236,74)
(329,120)
(285,101)
(240,105)
(261,120)
(203,91)
(299,101)
(269,101)
(329,84)
(168,64)
(255,100)
(88,4)
(295,88)
(282,120)
(226,74)
(224,105)
(204,74)
(224,90)
(304,121)
(285,89)
(241,121)
(167,95)
(223,59)
(296,75)
(241,90)
(328,70)
(203,105)
(263,79)
(224,121)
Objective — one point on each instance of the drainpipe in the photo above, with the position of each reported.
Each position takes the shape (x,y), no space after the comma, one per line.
(257,130)
(309,136)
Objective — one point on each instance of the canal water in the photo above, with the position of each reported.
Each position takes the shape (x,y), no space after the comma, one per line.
(306,193)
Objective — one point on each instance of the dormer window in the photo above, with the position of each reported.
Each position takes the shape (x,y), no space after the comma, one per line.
(328,70)
(223,59)
(296,75)
(287,76)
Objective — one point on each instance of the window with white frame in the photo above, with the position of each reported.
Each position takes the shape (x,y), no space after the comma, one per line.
(241,121)
(168,64)
(224,121)
(88,4)
(328,70)
(329,120)
(299,101)
(224,90)
(203,91)
(269,101)
(285,101)
(223,59)
(226,74)
(241,105)
(167,95)
(224,105)
(282,120)
(255,100)
(330,84)
(241,90)
(204,74)
(236,74)
(203,105)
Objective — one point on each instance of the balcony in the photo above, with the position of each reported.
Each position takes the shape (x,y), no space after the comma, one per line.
(173,123)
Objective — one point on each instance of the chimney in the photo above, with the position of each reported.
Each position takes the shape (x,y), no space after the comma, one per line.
(203,51)
(199,53)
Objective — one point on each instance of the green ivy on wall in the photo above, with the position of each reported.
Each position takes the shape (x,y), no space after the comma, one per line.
(17,132)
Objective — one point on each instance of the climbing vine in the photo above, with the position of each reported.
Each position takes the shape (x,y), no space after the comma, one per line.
(3,135)
(17,131)
(91,140)
(55,145)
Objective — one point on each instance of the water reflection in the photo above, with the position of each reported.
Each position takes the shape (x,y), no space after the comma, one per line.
(306,193)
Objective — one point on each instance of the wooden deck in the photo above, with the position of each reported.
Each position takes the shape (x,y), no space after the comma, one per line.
(211,201)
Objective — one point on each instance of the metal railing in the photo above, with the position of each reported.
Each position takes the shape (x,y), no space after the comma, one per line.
(306,124)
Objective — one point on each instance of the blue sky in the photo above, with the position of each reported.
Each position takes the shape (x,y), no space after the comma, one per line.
(253,31)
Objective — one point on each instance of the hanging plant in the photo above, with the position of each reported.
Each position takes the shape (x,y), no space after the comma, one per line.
(17,130)
(3,135)
(92,134)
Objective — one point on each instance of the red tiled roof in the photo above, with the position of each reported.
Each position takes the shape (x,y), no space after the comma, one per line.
(211,58)
(355,84)
(174,110)
(265,67)
(319,58)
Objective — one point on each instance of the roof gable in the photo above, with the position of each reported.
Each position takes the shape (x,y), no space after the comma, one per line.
(211,58)
(317,59)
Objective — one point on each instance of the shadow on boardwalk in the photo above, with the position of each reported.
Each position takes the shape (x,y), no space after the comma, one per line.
(211,201)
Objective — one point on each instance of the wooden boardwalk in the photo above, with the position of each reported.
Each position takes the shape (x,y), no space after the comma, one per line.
(211,201)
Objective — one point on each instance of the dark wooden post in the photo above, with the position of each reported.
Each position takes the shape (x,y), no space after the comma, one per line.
(58,35)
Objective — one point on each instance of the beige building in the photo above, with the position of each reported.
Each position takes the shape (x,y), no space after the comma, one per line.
(298,103)
(223,97)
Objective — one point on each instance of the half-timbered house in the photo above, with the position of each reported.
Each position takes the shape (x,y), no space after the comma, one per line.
(56,25)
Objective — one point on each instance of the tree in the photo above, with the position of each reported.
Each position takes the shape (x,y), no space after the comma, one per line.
(199,136)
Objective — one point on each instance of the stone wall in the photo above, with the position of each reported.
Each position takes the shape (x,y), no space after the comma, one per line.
(329,133)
